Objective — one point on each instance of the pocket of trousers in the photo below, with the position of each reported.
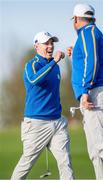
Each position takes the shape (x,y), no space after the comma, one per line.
(25,127)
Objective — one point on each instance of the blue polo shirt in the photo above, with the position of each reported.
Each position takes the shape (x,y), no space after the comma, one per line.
(42,84)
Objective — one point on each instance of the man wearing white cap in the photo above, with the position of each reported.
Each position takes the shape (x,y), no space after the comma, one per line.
(43,125)
(87,80)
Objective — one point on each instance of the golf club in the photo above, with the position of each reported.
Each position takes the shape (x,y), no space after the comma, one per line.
(73,109)
(47,173)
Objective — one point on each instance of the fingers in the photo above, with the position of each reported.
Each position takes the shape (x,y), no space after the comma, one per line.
(86,102)
(62,55)
(69,51)
(87,105)
(58,56)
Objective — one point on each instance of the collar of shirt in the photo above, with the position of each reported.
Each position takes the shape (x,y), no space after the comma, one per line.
(43,61)
(83,27)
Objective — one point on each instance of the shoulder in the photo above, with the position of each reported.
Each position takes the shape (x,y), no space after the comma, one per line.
(87,35)
(33,64)
(90,30)
(35,60)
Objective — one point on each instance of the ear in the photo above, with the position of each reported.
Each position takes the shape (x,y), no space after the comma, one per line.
(75,19)
(36,46)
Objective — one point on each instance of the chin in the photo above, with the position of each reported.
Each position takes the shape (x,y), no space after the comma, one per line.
(49,57)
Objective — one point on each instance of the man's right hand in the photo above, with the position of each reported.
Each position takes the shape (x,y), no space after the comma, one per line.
(58,55)
(85,102)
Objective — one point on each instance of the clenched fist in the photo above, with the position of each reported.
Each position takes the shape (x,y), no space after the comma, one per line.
(58,56)
(69,51)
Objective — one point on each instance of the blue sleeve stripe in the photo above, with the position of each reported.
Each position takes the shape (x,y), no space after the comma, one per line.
(33,81)
(95,55)
(85,60)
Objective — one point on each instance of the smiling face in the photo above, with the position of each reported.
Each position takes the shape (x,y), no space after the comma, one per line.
(45,49)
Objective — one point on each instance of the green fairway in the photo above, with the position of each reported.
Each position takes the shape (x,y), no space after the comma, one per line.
(11,149)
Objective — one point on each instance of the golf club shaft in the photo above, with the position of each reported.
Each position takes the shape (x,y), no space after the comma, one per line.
(47,164)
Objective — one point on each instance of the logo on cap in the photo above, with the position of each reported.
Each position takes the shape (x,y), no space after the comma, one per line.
(47,34)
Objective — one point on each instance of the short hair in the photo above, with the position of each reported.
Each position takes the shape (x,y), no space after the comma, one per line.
(88,19)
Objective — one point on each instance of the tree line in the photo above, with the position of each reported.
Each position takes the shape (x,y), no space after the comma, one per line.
(12,94)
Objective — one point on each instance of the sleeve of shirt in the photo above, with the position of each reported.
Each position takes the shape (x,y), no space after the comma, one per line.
(88,47)
(36,75)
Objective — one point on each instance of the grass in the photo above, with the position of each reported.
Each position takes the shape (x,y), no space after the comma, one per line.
(11,149)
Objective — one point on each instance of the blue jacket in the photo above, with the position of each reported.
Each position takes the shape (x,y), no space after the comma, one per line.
(87,60)
(42,82)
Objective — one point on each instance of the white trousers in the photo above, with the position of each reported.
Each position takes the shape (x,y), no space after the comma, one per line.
(36,135)
(93,127)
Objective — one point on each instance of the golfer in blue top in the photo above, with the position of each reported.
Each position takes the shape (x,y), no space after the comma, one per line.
(87,80)
(43,125)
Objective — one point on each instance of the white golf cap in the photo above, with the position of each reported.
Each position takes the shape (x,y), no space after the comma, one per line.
(83,10)
(43,37)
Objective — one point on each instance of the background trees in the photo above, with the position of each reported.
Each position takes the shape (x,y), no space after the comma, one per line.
(12,93)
